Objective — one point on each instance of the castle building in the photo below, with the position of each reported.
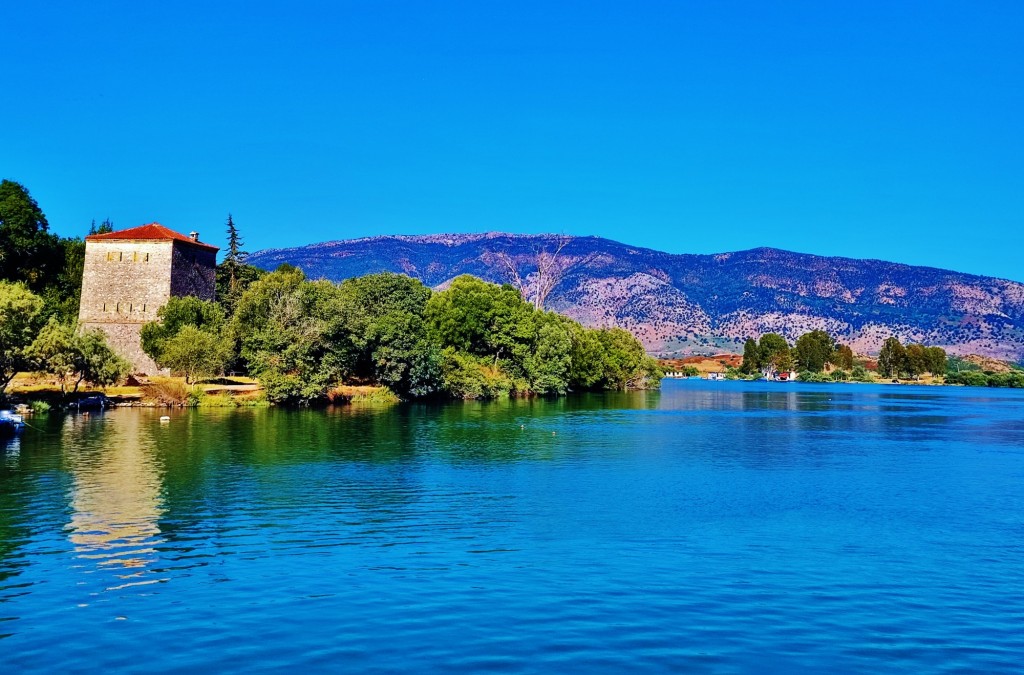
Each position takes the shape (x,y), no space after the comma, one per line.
(132,273)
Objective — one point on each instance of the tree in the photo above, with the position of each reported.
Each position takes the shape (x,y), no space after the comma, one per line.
(586,368)
(550,267)
(774,353)
(54,352)
(293,334)
(402,357)
(20,314)
(474,316)
(28,252)
(105,227)
(61,295)
(245,276)
(235,256)
(751,357)
(74,357)
(891,358)
(625,362)
(175,315)
(843,357)
(387,312)
(102,366)
(936,360)
(813,350)
(915,360)
(194,352)
(233,275)
(549,360)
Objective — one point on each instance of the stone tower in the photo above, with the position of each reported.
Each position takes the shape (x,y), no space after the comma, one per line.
(132,273)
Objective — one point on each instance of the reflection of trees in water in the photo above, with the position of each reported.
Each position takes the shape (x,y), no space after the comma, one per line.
(800,420)
(361,467)
(228,468)
(15,494)
(116,498)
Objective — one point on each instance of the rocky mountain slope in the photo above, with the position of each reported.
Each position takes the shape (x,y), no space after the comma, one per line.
(691,304)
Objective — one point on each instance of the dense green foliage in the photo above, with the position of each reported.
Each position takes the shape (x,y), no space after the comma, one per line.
(176,314)
(896,359)
(473,340)
(751,357)
(20,319)
(771,354)
(194,352)
(843,357)
(977,378)
(813,350)
(27,248)
(74,356)
(891,357)
(190,337)
(56,347)
(48,265)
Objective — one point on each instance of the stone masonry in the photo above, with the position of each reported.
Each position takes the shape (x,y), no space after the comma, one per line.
(131,274)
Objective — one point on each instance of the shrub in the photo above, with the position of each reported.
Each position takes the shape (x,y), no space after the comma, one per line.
(292,389)
(378,395)
(861,374)
(166,390)
(468,377)
(362,394)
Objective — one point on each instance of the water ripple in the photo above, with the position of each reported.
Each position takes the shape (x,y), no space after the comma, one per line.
(711,528)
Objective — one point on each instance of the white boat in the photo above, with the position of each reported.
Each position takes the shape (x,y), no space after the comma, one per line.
(10,423)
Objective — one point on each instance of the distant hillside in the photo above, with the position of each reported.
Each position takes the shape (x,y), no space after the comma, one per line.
(692,304)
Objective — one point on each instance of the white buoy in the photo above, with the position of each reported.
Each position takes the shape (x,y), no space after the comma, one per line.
(164,419)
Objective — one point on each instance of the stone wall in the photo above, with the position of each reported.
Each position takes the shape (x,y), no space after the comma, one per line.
(193,271)
(125,282)
(126,340)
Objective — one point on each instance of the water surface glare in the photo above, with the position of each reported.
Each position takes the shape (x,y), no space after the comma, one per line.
(709,527)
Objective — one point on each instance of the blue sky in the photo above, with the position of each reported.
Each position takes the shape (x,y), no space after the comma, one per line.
(885,130)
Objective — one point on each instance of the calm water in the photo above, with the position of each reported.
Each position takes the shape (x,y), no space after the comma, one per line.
(712,527)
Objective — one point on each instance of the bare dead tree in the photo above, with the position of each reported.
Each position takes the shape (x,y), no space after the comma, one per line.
(551,269)
(513,272)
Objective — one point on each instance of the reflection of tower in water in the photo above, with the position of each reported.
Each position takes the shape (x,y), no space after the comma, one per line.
(116,495)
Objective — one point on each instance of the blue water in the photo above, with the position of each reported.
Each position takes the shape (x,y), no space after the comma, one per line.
(711,527)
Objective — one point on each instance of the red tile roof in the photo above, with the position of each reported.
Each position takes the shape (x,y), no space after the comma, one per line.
(151,231)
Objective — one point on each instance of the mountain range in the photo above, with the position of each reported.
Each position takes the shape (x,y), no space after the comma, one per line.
(680,304)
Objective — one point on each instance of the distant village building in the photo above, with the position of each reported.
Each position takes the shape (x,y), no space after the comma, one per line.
(132,273)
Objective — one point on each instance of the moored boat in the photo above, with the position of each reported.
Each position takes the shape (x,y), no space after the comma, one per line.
(10,423)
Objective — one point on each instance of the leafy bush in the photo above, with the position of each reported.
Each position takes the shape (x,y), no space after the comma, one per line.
(468,377)
(291,388)
(1014,379)
(861,374)
(39,406)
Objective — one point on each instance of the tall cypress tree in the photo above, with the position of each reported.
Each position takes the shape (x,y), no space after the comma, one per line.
(235,257)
